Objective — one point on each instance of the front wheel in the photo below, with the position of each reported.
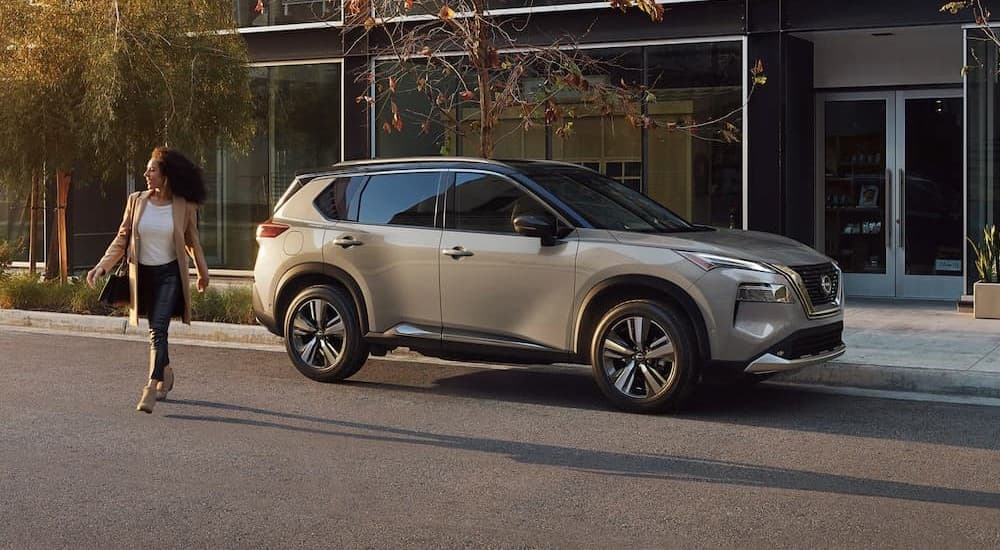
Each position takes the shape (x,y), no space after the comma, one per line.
(644,357)
(323,335)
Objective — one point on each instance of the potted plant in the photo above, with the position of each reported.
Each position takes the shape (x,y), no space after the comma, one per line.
(986,292)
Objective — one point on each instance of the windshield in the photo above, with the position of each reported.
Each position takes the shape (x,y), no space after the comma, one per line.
(608,204)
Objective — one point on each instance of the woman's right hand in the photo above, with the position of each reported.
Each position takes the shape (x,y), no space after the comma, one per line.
(93,275)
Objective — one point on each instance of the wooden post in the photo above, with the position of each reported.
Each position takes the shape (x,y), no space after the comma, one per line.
(32,206)
(63,180)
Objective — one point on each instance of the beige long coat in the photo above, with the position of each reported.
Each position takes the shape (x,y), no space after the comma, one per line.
(127,243)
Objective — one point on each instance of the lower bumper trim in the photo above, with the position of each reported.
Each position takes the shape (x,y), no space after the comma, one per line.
(768,362)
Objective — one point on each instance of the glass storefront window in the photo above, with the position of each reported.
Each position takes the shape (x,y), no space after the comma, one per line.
(298,114)
(698,174)
(610,145)
(413,104)
(285,12)
(983,137)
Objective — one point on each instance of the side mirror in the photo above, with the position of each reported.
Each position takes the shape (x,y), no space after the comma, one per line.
(533,225)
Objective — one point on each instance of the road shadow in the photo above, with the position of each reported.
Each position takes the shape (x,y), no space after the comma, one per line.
(762,405)
(645,466)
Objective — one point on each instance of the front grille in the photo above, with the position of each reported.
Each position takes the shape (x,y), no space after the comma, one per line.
(810,341)
(812,276)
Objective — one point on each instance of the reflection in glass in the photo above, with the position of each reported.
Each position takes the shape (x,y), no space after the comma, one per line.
(284,12)
(297,111)
(983,126)
(932,187)
(854,184)
(698,175)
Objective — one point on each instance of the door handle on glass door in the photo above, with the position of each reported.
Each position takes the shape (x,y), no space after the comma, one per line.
(888,208)
(901,220)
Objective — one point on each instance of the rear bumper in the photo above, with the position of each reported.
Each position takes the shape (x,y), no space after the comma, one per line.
(263,317)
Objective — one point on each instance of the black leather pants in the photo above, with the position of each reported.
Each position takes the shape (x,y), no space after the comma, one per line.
(160,297)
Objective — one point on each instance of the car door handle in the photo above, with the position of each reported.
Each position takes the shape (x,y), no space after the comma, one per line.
(347,241)
(456,252)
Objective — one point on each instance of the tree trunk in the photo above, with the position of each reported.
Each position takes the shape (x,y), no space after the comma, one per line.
(482,61)
(32,209)
(63,181)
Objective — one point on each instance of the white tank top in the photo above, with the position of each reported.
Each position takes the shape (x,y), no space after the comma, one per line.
(156,235)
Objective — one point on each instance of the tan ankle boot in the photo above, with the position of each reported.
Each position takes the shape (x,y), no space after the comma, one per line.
(147,401)
(165,385)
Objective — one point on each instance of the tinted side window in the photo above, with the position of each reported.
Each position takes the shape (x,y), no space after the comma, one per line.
(339,201)
(400,199)
(484,202)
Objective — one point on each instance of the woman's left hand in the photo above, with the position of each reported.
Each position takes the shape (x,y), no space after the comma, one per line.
(202,283)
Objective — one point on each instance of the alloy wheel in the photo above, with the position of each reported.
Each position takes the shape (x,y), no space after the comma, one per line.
(638,357)
(318,333)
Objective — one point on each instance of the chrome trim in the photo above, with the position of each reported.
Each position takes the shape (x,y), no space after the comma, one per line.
(769,362)
(494,341)
(799,286)
(410,331)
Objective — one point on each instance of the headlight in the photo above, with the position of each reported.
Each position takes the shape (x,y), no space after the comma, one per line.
(763,292)
(709,262)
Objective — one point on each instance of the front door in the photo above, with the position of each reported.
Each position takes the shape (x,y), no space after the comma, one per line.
(500,288)
(891,189)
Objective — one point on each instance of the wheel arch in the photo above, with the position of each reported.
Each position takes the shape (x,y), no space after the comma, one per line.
(615,290)
(315,273)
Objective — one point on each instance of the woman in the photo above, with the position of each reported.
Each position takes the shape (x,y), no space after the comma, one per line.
(159,225)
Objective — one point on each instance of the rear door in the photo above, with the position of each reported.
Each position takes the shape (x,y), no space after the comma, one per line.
(498,287)
(389,244)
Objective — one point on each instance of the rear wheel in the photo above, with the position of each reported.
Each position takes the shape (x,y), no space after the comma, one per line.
(644,357)
(323,334)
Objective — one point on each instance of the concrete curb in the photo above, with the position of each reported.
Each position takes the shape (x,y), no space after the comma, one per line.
(905,379)
(198,330)
(864,376)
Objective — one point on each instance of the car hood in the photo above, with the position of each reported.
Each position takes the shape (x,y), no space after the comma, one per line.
(745,245)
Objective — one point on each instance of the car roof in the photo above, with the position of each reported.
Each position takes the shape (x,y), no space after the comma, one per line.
(505,166)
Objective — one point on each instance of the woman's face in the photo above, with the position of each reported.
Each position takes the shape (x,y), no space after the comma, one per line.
(154,177)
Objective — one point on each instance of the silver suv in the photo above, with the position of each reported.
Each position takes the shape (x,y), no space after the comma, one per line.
(538,262)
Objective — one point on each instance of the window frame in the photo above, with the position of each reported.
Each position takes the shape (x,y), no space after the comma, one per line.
(438,206)
(451,194)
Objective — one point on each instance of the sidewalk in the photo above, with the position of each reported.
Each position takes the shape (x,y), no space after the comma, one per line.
(923,347)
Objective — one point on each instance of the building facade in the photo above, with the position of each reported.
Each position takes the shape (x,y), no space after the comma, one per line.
(873,139)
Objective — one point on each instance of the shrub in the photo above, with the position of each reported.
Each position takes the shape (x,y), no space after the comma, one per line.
(225,305)
(24,291)
(987,255)
(8,251)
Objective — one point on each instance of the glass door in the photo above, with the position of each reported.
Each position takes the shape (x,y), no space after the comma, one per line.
(856,162)
(890,176)
(929,154)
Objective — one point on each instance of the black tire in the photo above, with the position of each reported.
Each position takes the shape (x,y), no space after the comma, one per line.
(657,375)
(325,354)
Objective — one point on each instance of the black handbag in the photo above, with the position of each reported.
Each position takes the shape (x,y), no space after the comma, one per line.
(116,292)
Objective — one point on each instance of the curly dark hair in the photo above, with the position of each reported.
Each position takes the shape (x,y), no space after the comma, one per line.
(185,177)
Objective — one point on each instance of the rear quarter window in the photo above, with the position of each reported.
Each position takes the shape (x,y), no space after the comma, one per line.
(340,199)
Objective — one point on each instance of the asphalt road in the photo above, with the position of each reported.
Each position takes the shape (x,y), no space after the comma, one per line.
(248,453)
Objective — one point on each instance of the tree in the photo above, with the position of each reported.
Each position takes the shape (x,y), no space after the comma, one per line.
(463,59)
(98,83)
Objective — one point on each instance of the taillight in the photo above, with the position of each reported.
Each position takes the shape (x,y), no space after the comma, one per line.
(270,230)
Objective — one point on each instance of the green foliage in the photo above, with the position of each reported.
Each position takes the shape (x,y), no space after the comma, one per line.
(225,305)
(98,83)
(29,292)
(8,251)
(987,255)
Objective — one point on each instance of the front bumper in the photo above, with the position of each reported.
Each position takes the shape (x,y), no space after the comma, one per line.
(804,347)
(769,363)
